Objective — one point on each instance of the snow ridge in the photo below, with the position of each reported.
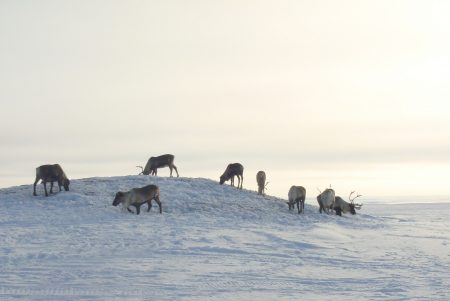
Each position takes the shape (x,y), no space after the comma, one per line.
(214,242)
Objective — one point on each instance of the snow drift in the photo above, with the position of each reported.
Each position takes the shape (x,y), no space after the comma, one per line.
(215,242)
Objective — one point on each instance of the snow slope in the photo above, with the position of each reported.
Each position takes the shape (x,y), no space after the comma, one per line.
(214,242)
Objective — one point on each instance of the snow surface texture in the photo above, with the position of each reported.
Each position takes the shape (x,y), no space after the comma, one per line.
(214,242)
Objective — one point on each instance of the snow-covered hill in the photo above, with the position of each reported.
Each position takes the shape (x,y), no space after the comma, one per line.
(214,242)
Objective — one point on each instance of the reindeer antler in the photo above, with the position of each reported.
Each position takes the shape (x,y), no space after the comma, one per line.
(357,206)
(142,170)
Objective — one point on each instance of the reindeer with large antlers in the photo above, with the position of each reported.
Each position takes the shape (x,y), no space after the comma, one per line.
(341,206)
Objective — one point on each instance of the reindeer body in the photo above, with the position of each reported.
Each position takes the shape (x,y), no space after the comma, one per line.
(137,197)
(151,168)
(341,206)
(261,180)
(232,170)
(297,195)
(326,200)
(51,173)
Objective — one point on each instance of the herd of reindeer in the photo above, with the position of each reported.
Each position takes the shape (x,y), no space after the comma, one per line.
(136,197)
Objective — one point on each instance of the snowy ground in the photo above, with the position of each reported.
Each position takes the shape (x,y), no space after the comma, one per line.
(214,242)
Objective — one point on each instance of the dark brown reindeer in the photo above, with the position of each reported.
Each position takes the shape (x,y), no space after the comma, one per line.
(51,173)
(341,206)
(151,168)
(137,197)
(233,169)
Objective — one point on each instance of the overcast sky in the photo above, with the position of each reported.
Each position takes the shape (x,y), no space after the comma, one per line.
(355,94)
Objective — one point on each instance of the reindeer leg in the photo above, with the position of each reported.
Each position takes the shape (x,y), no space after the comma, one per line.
(129,210)
(170,167)
(34,186)
(45,188)
(51,187)
(242,180)
(298,206)
(176,170)
(138,209)
(156,198)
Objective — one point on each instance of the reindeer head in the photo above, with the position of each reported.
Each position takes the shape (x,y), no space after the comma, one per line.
(119,198)
(352,204)
(222,179)
(142,171)
(66,184)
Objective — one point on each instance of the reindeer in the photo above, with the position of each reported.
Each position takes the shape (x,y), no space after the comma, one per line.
(297,194)
(261,180)
(341,206)
(233,169)
(137,197)
(326,200)
(51,173)
(151,168)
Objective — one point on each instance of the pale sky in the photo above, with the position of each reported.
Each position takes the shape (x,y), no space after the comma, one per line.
(355,94)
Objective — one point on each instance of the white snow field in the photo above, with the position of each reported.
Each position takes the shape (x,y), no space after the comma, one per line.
(214,242)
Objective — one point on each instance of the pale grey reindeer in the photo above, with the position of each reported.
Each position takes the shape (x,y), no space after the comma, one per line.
(51,173)
(151,168)
(297,195)
(326,200)
(232,170)
(137,197)
(261,180)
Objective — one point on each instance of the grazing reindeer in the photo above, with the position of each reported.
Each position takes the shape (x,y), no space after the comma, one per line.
(137,197)
(151,168)
(297,194)
(51,173)
(326,200)
(341,206)
(234,169)
(261,180)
